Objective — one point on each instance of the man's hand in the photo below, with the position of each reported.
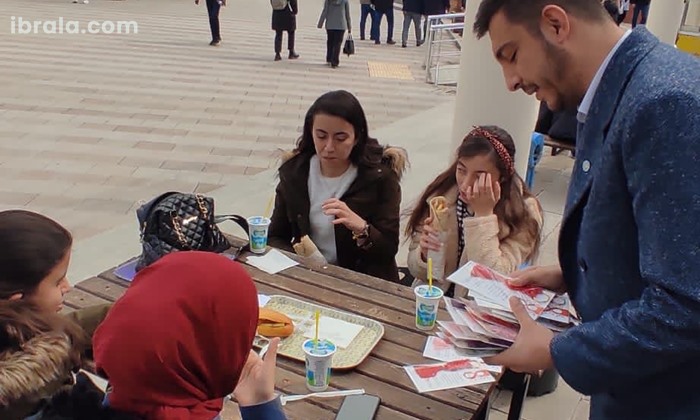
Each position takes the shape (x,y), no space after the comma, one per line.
(549,277)
(530,351)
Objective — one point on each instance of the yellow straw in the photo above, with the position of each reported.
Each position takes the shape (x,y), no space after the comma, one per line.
(268,210)
(430,276)
(318,317)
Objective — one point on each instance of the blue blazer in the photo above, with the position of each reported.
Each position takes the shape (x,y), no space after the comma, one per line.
(629,241)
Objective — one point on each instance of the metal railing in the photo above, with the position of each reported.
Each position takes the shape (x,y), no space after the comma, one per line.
(438,34)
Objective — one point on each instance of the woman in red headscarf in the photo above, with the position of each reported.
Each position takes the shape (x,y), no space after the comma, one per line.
(180,340)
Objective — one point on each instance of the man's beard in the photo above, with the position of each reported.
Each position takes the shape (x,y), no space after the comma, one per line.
(559,61)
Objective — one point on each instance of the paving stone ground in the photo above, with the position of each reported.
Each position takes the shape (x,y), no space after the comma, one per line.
(92,123)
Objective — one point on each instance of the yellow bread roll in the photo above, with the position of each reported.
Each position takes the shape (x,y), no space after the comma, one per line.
(274,324)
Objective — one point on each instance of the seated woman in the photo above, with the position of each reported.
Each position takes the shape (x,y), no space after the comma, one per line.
(33,267)
(493,219)
(341,188)
(180,340)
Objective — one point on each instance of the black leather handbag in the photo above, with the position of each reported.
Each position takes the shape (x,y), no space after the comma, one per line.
(349,47)
(181,222)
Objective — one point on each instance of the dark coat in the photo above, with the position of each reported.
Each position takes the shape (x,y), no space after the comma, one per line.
(375,195)
(285,19)
(32,376)
(560,125)
(383,5)
(628,245)
(413,6)
(435,7)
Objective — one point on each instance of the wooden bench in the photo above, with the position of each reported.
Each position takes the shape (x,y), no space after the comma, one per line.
(558,146)
(380,374)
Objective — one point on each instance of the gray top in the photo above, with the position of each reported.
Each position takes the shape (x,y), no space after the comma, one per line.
(336,15)
(370,1)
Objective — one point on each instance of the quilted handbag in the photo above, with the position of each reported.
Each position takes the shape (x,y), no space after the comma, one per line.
(181,222)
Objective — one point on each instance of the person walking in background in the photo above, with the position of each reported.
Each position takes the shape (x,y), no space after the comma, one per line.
(384,8)
(285,20)
(412,11)
(432,8)
(213,7)
(366,9)
(336,16)
(624,8)
(640,6)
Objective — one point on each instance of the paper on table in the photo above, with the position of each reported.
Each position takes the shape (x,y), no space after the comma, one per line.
(455,374)
(339,332)
(439,349)
(262,300)
(273,262)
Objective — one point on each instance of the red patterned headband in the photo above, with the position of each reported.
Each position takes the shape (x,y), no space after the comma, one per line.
(498,146)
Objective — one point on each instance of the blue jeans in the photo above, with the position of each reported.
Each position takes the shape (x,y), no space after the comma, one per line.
(644,10)
(389,20)
(366,10)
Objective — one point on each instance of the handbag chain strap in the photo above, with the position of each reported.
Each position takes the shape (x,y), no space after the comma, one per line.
(202,207)
(177,225)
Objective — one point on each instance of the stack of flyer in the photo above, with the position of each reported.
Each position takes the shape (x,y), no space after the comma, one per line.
(483,325)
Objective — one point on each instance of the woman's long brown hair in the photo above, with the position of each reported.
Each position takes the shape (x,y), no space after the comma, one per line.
(510,209)
(21,321)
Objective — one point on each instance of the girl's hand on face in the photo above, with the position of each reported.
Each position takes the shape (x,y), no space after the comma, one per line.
(483,195)
(428,239)
(343,215)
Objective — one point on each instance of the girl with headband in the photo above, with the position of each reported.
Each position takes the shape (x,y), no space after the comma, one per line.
(492,217)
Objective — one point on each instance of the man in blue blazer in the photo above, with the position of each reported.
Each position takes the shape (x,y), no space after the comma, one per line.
(629,252)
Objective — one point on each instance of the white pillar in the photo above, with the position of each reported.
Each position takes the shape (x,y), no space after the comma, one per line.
(665,19)
(483,98)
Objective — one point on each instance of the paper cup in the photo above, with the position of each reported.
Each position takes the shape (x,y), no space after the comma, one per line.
(258,227)
(427,306)
(438,258)
(319,359)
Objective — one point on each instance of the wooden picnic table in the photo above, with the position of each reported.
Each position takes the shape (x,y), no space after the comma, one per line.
(380,374)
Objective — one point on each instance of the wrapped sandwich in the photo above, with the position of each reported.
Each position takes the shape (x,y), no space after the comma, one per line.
(439,211)
(307,248)
(274,324)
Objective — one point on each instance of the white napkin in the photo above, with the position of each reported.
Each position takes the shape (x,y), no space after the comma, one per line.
(273,262)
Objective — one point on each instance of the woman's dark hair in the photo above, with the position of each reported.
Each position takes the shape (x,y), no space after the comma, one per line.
(511,208)
(32,246)
(342,104)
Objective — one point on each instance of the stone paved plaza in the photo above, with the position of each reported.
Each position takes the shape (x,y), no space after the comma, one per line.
(92,123)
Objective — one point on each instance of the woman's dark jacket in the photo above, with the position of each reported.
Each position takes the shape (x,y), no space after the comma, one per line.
(285,19)
(375,195)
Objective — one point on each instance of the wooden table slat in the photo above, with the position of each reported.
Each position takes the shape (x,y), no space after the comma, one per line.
(77,299)
(396,398)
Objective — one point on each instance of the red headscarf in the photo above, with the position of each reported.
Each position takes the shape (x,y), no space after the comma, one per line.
(175,344)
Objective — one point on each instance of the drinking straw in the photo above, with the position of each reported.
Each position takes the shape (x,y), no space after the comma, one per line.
(268,210)
(430,276)
(318,316)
